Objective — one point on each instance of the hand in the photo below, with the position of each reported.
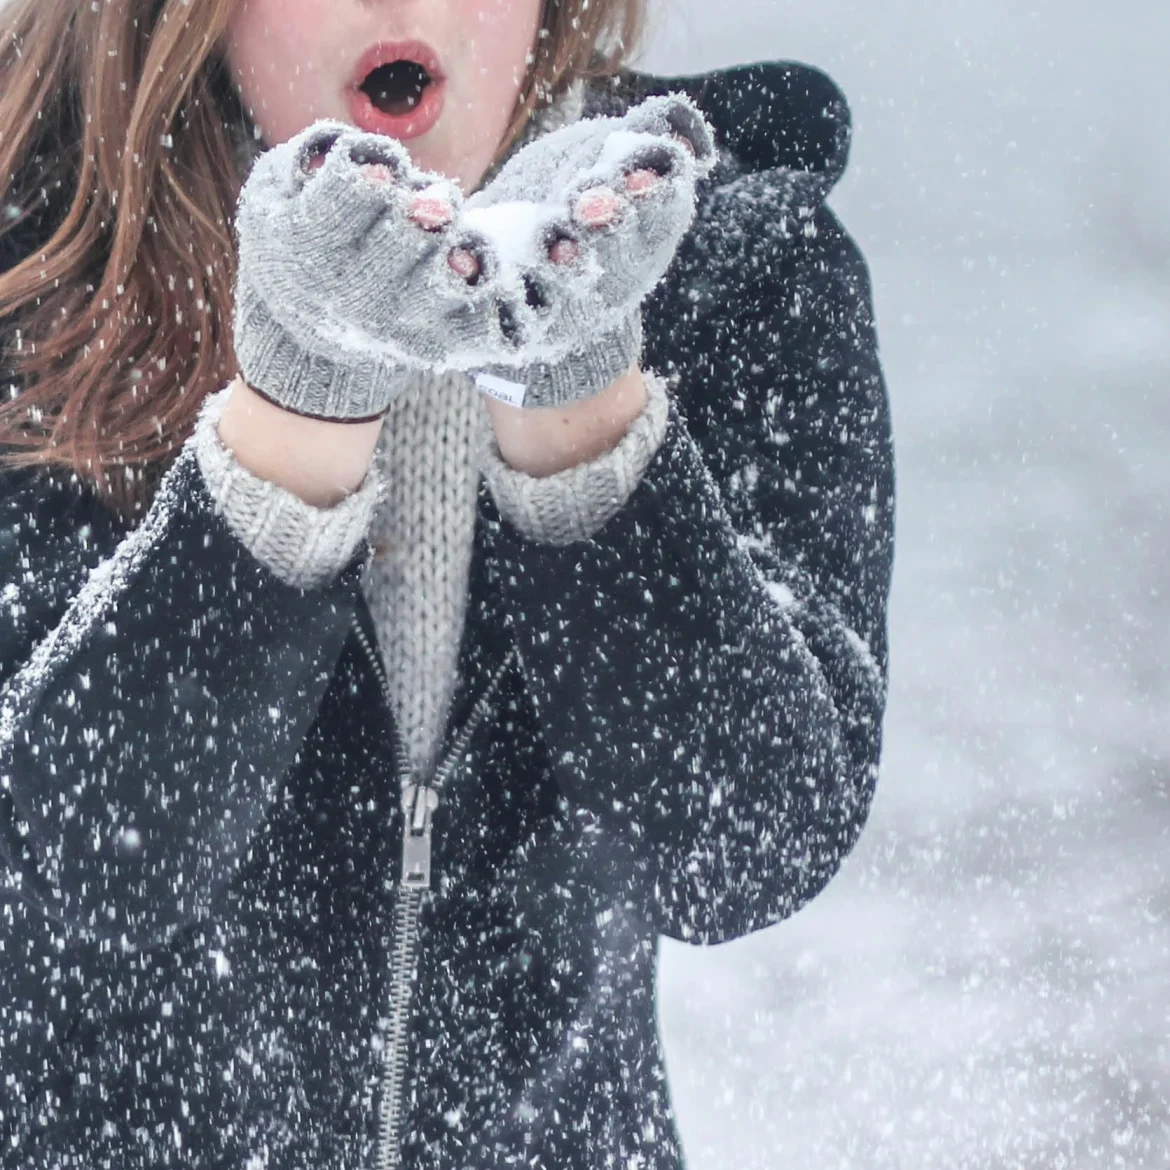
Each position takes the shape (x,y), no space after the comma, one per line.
(574,232)
(344,287)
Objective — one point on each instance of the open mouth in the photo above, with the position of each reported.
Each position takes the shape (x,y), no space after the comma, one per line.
(397,87)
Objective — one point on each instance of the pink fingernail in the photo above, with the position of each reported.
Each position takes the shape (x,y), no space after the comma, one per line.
(431,210)
(596,207)
(464,263)
(564,251)
(640,181)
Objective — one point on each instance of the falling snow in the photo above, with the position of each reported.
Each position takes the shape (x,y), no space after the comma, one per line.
(671,728)
(987,983)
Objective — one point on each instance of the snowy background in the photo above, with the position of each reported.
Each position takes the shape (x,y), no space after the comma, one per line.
(987,983)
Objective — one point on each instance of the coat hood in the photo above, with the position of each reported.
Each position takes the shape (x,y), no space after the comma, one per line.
(782,131)
(768,116)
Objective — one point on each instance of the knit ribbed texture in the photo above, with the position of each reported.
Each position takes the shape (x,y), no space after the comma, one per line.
(302,545)
(580,374)
(575,503)
(278,364)
(417,587)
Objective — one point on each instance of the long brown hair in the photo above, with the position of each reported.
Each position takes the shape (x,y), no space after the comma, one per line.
(120,139)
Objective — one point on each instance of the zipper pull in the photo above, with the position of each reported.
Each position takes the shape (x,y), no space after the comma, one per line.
(418,804)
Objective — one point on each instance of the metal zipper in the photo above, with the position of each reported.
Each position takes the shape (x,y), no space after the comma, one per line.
(401,758)
(419,802)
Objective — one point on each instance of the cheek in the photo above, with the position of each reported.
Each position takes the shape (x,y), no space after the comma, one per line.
(490,71)
(263,36)
(501,34)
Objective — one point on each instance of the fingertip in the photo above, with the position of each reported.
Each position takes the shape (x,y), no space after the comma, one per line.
(377,173)
(639,181)
(465,263)
(596,207)
(564,250)
(431,210)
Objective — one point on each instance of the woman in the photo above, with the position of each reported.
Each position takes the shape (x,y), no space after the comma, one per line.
(619,651)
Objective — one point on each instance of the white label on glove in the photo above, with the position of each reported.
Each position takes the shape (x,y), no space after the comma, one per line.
(501,388)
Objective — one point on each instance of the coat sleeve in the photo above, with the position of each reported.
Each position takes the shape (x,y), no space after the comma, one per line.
(709,669)
(157,684)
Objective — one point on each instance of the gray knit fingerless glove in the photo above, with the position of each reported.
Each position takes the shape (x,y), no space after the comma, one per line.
(569,329)
(340,292)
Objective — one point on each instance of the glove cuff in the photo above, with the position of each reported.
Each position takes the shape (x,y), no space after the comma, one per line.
(580,374)
(279,369)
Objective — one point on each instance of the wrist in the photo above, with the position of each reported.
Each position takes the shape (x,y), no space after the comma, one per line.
(580,374)
(318,460)
(541,442)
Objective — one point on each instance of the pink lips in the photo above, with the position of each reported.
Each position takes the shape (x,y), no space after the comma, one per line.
(418,121)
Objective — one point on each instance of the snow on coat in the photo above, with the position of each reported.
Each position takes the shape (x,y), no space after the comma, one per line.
(199,813)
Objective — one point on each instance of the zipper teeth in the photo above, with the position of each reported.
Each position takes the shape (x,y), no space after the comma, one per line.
(445,768)
(404,765)
(407,907)
(443,772)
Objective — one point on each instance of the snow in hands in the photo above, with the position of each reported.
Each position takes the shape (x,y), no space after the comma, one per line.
(583,223)
(351,256)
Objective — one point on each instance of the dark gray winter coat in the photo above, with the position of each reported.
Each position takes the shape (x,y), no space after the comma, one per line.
(199,821)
